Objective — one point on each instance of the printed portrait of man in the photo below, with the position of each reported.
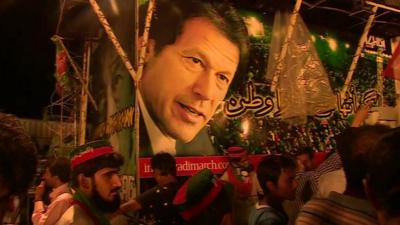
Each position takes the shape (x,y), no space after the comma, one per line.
(195,52)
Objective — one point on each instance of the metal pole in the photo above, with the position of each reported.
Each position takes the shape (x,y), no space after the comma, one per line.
(113,39)
(74,66)
(84,94)
(358,51)
(141,59)
(379,76)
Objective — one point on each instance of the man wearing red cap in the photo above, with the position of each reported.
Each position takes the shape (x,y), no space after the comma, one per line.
(205,199)
(95,175)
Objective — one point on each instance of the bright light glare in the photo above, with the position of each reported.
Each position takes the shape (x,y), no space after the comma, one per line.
(245,127)
(254,26)
(332,44)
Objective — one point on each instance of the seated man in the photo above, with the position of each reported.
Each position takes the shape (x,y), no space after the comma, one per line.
(95,177)
(276,175)
(17,163)
(156,203)
(56,176)
(383,181)
(351,207)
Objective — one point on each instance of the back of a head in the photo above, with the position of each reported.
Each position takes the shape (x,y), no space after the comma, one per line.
(17,155)
(60,167)
(170,16)
(305,151)
(270,169)
(383,172)
(353,146)
(94,161)
(164,162)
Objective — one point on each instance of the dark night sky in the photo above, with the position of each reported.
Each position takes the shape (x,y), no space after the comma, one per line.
(26,55)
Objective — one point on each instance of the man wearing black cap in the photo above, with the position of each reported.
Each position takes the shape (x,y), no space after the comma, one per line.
(95,175)
(156,203)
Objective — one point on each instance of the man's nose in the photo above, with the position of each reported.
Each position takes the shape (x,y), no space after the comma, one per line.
(116,181)
(205,87)
(295,184)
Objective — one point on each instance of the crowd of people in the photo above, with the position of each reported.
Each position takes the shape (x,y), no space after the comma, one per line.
(285,189)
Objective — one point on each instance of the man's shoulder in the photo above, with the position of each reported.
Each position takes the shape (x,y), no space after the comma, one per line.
(318,204)
(64,197)
(200,145)
(316,211)
(74,216)
(336,209)
(158,194)
(266,215)
(67,217)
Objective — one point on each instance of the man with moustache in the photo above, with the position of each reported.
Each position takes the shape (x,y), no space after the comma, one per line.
(195,52)
(95,177)
(56,176)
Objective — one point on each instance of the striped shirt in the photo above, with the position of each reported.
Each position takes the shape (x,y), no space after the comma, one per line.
(337,209)
(308,185)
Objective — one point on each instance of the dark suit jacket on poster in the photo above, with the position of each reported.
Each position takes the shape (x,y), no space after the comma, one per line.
(200,146)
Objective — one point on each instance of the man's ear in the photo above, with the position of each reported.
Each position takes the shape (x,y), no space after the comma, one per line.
(371,195)
(85,183)
(271,186)
(150,50)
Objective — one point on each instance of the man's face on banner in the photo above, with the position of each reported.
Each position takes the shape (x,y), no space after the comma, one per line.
(183,84)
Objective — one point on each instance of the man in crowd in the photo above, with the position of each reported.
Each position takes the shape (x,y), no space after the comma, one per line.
(56,176)
(276,175)
(305,158)
(17,162)
(328,175)
(383,181)
(240,173)
(205,199)
(95,177)
(351,207)
(196,50)
(156,203)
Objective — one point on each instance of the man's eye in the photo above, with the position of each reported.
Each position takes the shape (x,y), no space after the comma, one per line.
(193,63)
(196,60)
(193,60)
(223,78)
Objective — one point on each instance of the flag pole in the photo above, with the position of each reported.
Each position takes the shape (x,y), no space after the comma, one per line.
(141,59)
(84,94)
(283,53)
(358,52)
